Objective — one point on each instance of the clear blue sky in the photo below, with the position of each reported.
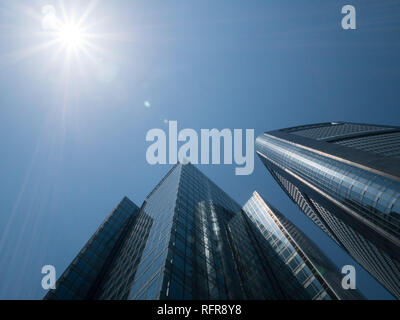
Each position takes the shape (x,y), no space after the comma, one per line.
(72,134)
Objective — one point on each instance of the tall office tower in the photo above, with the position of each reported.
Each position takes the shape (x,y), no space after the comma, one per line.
(346,178)
(321,278)
(82,277)
(189,240)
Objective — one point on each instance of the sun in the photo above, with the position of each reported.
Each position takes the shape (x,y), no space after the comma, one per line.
(70,35)
(68,30)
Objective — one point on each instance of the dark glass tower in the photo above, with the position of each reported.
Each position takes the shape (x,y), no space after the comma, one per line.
(346,178)
(83,276)
(189,240)
(317,273)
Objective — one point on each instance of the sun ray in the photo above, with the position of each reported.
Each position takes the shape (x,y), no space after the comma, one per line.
(17,56)
(71,31)
(68,37)
(89,9)
(90,56)
(64,13)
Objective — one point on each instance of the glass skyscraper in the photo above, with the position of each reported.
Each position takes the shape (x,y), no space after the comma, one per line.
(346,178)
(317,273)
(188,240)
(83,276)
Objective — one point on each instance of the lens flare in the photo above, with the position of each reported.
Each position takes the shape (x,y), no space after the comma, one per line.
(70,35)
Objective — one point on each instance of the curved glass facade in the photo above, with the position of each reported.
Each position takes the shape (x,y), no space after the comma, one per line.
(345,177)
(373,196)
(262,216)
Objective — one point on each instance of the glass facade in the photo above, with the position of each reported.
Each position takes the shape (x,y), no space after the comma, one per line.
(387,144)
(117,282)
(204,249)
(302,202)
(321,278)
(334,130)
(320,175)
(189,240)
(375,197)
(81,278)
(379,264)
(160,207)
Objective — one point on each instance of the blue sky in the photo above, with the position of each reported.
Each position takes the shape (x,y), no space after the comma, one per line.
(72,134)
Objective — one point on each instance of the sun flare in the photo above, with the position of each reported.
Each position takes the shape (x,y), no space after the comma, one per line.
(70,31)
(70,35)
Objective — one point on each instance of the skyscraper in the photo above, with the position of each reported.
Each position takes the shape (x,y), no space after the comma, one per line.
(82,277)
(189,240)
(346,178)
(317,273)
